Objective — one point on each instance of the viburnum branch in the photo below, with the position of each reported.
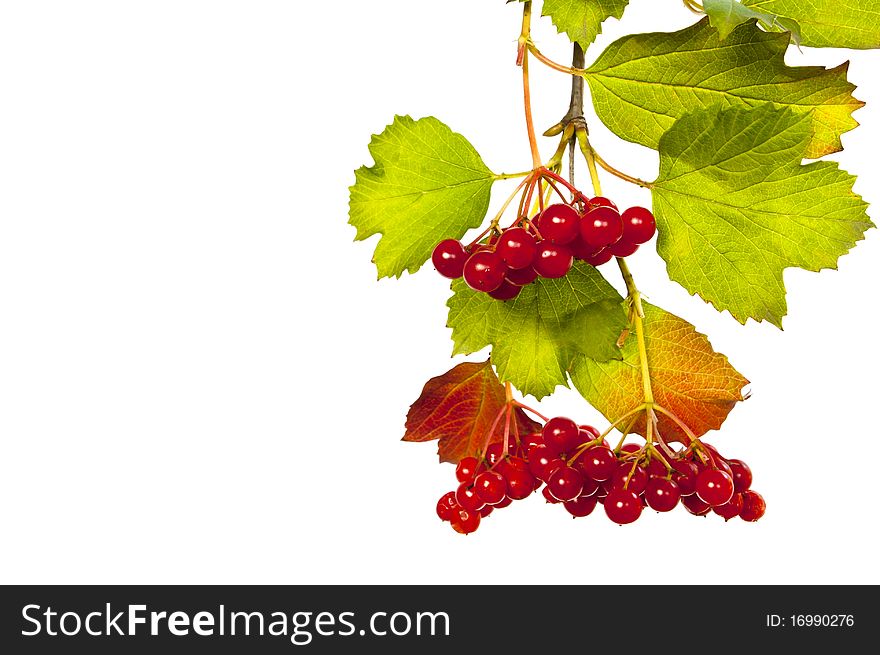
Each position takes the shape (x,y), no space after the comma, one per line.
(523,60)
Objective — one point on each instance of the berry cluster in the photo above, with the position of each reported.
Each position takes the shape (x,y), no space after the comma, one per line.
(578,469)
(590,230)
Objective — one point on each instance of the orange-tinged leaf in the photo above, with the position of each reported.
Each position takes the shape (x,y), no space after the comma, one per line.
(688,378)
(458,408)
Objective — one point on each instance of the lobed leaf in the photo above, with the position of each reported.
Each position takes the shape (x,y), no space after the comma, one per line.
(725,15)
(642,83)
(459,408)
(536,336)
(688,378)
(581,20)
(427,184)
(735,207)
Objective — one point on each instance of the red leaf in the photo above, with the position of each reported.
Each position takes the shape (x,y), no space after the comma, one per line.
(459,408)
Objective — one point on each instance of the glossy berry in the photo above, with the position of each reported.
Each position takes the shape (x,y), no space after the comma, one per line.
(590,485)
(484,271)
(731,508)
(601,201)
(656,468)
(507,291)
(490,487)
(742,474)
(446,506)
(548,496)
(603,256)
(685,476)
(448,258)
(530,440)
(552,261)
(634,479)
(561,434)
(695,506)
(516,247)
(638,225)
(542,462)
(598,462)
(753,506)
(581,250)
(714,487)
(520,484)
(630,448)
(466,469)
(565,483)
(559,224)
(622,248)
(504,502)
(487,509)
(589,433)
(465,521)
(495,452)
(466,496)
(601,227)
(662,494)
(580,506)
(522,276)
(623,506)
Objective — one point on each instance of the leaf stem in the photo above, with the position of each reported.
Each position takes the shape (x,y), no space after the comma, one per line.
(544,59)
(523,60)
(511,176)
(623,176)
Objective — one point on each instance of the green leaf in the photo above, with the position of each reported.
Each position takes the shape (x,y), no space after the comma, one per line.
(643,82)
(735,207)
(581,20)
(688,378)
(428,184)
(536,336)
(725,15)
(829,23)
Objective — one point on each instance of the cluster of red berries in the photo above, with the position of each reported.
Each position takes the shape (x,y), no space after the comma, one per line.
(579,470)
(546,247)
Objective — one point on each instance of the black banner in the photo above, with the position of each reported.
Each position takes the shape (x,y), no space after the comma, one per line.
(405,619)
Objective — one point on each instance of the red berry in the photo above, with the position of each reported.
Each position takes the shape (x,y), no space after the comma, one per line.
(503,503)
(495,452)
(542,462)
(753,506)
(446,506)
(621,478)
(623,506)
(603,256)
(590,485)
(656,468)
(581,250)
(592,433)
(507,291)
(486,511)
(559,224)
(601,227)
(553,260)
(742,474)
(522,276)
(695,506)
(530,440)
(484,271)
(565,483)
(685,476)
(601,201)
(622,248)
(662,494)
(714,487)
(599,463)
(731,508)
(548,496)
(630,448)
(465,521)
(638,225)
(581,506)
(466,470)
(561,434)
(449,257)
(520,484)
(490,487)
(516,247)
(467,497)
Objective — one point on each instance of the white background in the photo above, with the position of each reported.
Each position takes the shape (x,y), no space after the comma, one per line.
(202,381)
